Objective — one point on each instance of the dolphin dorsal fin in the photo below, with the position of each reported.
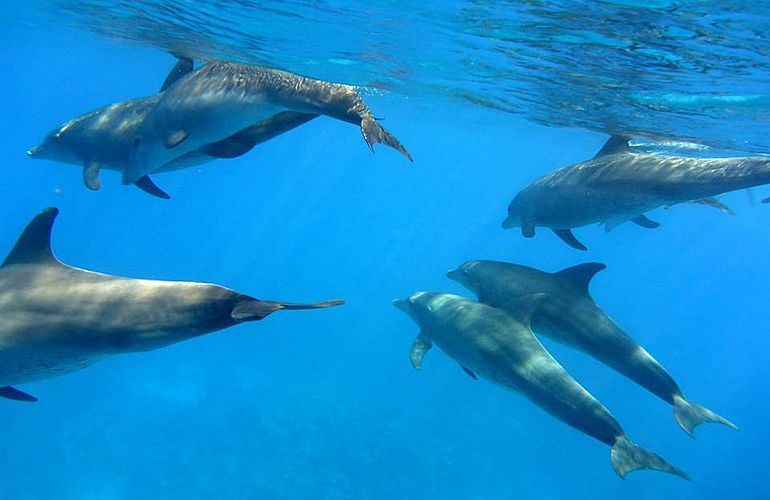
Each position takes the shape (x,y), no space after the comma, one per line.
(34,244)
(522,308)
(183,66)
(580,276)
(615,144)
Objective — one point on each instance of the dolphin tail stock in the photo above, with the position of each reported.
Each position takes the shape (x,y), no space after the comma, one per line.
(254,310)
(689,415)
(627,457)
(374,133)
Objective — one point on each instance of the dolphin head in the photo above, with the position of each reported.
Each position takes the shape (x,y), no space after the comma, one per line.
(407,304)
(57,146)
(515,214)
(467,275)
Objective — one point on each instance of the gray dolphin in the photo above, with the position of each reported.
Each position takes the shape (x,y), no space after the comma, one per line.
(501,347)
(222,98)
(57,319)
(572,317)
(618,186)
(103,138)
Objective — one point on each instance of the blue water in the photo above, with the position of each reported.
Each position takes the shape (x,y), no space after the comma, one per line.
(324,404)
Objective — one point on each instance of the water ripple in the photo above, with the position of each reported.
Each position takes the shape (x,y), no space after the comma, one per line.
(693,71)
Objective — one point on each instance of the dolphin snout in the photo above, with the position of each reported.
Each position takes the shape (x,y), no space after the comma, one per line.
(33,151)
(509,222)
(454,274)
(402,304)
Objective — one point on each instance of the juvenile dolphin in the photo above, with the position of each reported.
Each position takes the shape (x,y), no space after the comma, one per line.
(103,138)
(221,98)
(572,317)
(501,347)
(618,186)
(58,319)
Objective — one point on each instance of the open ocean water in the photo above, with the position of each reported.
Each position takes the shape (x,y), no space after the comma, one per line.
(487,96)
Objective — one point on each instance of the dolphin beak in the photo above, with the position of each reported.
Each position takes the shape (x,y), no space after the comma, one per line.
(454,274)
(402,304)
(31,152)
(508,223)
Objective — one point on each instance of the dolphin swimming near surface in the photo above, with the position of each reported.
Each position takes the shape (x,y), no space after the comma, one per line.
(500,347)
(103,138)
(221,98)
(618,185)
(58,319)
(572,317)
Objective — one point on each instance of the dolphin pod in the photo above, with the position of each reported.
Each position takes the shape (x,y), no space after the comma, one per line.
(500,347)
(618,185)
(571,316)
(58,319)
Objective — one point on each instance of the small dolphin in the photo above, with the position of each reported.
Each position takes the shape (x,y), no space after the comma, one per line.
(221,98)
(58,319)
(618,186)
(501,347)
(572,317)
(103,138)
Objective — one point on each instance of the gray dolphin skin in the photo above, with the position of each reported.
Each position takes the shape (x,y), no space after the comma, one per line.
(572,317)
(618,186)
(102,139)
(58,319)
(501,348)
(221,98)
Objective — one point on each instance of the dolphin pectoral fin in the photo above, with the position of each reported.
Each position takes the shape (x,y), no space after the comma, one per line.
(469,372)
(253,310)
(9,392)
(615,144)
(91,175)
(176,138)
(34,244)
(183,66)
(420,346)
(373,133)
(149,187)
(713,202)
(644,221)
(580,276)
(523,307)
(242,142)
(766,200)
(627,457)
(569,238)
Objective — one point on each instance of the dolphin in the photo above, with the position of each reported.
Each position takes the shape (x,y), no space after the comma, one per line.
(58,319)
(572,317)
(103,138)
(500,347)
(618,185)
(221,98)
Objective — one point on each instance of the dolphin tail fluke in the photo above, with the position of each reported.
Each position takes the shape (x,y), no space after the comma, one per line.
(689,415)
(374,133)
(627,457)
(253,309)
